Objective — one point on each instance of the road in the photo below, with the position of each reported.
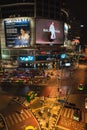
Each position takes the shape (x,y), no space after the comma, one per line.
(69,81)
(54,88)
(17,117)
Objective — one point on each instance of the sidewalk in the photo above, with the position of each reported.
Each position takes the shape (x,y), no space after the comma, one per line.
(62,128)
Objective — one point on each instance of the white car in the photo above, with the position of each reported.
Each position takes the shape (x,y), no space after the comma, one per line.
(86,103)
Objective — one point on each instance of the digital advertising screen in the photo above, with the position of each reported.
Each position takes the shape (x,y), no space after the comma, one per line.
(49,31)
(17,32)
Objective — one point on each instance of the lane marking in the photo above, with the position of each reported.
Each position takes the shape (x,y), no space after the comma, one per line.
(11,119)
(18,116)
(15,118)
(8,122)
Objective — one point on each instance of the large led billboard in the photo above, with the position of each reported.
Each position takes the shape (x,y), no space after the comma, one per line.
(49,31)
(17,32)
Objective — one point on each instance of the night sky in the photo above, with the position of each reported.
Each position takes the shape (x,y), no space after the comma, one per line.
(79,9)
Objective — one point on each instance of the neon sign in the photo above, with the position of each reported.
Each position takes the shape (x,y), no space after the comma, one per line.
(63,56)
(26,58)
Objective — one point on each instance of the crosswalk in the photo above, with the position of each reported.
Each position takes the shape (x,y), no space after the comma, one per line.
(2,123)
(16,118)
(19,99)
(68,113)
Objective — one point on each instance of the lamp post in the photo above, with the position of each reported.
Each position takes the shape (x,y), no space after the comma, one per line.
(59,79)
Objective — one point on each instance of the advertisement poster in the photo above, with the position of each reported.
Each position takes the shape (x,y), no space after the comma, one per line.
(17,32)
(49,31)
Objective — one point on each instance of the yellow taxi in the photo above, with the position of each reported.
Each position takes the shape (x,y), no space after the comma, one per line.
(29,128)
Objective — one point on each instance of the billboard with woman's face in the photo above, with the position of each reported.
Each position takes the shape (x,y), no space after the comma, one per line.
(49,31)
(17,32)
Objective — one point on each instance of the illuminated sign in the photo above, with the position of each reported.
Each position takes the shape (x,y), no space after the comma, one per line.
(26,58)
(41,57)
(49,31)
(67,64)
(43,52)
(17,32)
(66,27)
(16,20)
(63,56)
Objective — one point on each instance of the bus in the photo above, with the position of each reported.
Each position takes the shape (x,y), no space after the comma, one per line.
(31,95)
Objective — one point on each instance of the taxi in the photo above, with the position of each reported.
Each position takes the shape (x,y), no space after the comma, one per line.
(29,128)
(81,87)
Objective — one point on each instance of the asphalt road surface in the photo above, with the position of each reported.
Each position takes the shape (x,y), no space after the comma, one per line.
(69,80)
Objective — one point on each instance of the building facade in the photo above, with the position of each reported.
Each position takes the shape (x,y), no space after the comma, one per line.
(26,15)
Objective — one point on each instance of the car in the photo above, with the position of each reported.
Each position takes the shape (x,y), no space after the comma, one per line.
(81,87)
(86,102)
(29,128)
(77,115)
(61,101)
(83,58)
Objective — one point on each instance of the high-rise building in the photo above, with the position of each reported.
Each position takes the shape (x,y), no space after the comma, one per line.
(75,30)
(34,18)
(30,8)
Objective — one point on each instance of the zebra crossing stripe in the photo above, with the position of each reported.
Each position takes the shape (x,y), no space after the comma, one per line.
(28,114)
(15,118)
(68,113)
(71,115)
(65,113)
(25,114)
(83,117)
(11,119)
(18,117)
(22,117)
(7,121)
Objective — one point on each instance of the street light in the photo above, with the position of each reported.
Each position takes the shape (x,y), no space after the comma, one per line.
(59,84)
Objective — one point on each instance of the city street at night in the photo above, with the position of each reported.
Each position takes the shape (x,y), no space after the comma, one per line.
(64,88)
(43,65)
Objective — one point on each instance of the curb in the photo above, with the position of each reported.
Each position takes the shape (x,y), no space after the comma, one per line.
(4,121)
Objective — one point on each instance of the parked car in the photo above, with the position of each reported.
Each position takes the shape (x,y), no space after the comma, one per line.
(77,115)
(61,101)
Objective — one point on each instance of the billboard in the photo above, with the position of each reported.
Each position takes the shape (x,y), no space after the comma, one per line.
(17,32)
(49,31)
